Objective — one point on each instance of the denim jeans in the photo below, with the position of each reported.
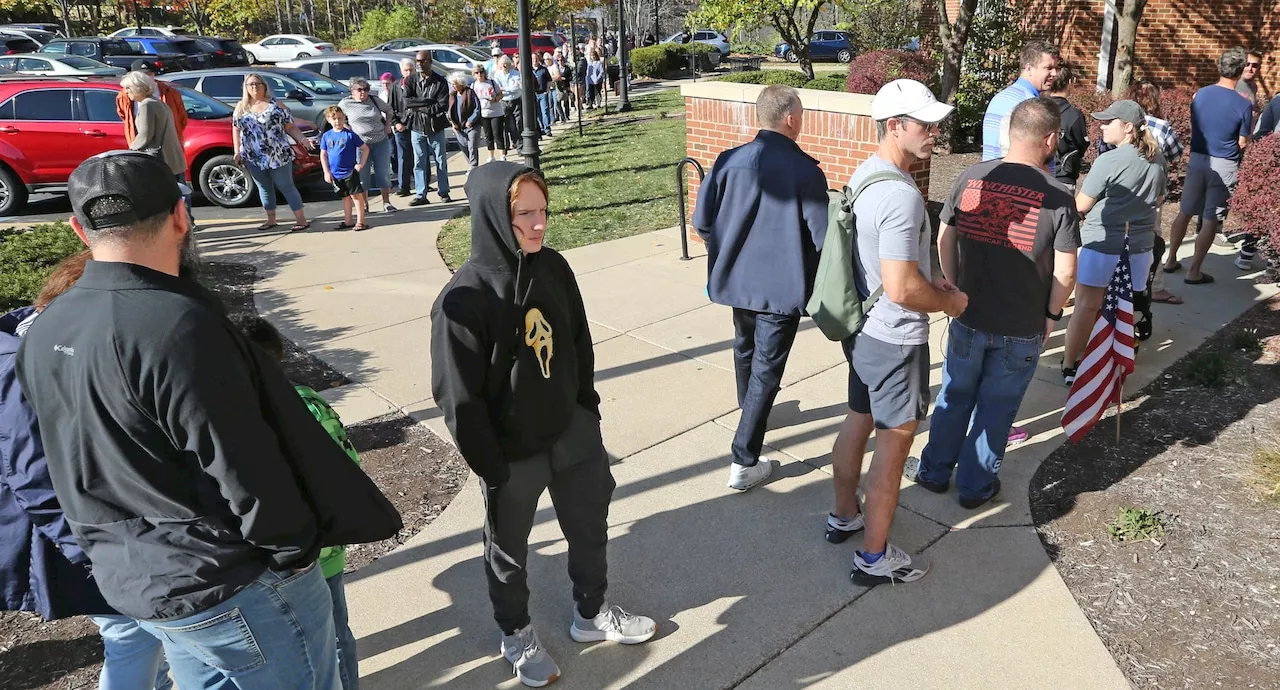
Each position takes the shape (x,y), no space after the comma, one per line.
(269,181)
(404,158)
(761,344)
(434,145)
(546,110)
(186,198)
(379,167)
(348,660)
(984,378)
(469,141)
(275,633)
(134,658)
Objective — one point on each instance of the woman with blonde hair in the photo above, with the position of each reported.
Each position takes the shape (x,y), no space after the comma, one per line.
(263,134)
(1120,197)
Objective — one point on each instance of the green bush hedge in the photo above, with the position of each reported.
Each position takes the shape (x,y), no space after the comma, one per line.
(829,82)
(768,78)
(653,61)
(28,256)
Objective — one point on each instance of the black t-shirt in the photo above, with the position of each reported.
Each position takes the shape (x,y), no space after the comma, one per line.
(1010,218)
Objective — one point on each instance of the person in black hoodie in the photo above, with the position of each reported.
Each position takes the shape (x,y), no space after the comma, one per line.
(1073,138)
(513,373)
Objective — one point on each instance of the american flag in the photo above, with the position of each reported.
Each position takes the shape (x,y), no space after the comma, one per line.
(1108,357)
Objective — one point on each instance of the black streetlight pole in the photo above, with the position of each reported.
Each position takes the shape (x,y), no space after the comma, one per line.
(657,36)
(623,68)
(528,105)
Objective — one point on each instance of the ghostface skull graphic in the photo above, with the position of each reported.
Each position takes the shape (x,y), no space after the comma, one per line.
(537,335)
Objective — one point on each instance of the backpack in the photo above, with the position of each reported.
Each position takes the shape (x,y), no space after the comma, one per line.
(836,306)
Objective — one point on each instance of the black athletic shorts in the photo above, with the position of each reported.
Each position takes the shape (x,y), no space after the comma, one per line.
(889,382)
(348,186)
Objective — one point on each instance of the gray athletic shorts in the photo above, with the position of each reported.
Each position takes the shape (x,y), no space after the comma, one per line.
(888,382)
(1208,187)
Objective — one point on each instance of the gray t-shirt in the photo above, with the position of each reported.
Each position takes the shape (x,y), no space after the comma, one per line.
(1127,187)
(893,225)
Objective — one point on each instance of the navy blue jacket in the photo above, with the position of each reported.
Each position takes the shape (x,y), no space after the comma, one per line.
(1270,118)
(763,214)
(42,568)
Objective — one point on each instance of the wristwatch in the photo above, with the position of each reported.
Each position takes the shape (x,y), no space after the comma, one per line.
(1052,316)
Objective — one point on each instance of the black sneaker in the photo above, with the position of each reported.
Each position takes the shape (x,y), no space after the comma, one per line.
(1068,375)
(838,530)
(912,472)
(419,201)
(444,198)
(404,192)
(1236,236)
(972,503)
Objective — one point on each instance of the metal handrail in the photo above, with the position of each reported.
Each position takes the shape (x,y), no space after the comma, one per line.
(680,191)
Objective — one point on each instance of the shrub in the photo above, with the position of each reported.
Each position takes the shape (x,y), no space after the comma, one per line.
(652,61)
(870,71)
(828,82)
(28,256)
(1257,197)
(768,78)
(380,26)
(1175,106)
(762,46)
(885,25)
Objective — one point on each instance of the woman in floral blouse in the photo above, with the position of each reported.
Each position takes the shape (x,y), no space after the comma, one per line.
(263,135)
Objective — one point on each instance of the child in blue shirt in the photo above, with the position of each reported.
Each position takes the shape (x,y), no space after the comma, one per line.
(345,154)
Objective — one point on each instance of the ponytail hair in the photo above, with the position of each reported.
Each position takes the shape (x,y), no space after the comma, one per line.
(1145,142)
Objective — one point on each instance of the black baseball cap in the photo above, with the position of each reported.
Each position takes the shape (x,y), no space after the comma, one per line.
(140,65)
(141,185)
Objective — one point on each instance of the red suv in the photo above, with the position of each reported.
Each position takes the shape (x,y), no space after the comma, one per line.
(510,43)
(49,125)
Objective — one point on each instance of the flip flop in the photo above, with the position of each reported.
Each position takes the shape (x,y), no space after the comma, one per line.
(267,226)
(344,226)
(1177,266)
(1171,299)
(1204,279)
(298,228)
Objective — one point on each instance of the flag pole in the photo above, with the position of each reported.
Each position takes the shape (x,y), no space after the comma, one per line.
(1119,406)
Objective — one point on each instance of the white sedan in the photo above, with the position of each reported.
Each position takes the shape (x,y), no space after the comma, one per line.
(287,47)
(69,65)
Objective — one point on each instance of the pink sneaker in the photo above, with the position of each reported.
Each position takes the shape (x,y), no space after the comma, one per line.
(1017,435)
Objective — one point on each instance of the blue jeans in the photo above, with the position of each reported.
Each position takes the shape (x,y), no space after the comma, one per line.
(276,633)
(268,181)
(379,167)
(404,158)
(984,378)
(546,110)
(134,658)
(761,344)
(435,145)
(348,660)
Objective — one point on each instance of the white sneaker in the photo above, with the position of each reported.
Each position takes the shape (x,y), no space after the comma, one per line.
(612,624)
(504,157)
(1243,263)
(490,159)
(529,661)
(743,477)
(895,565)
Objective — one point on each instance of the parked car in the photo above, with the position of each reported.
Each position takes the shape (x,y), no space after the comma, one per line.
(454,58)
(344,68)
(49,125)
(150,31)
(14,45)
(403,44)
(40,37)
(113,51)
(68,65)
(165,50)
(823,45)
(715,39)
(306,94)
(223,52)
(542,42)
(55,29)
(287,47)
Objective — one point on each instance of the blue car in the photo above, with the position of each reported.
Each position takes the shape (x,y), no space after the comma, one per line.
(168,51)
(824,45)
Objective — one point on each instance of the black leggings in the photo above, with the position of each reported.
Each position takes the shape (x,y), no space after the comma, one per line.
(495,131)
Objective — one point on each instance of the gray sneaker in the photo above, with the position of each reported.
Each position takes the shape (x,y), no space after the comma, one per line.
(612,624)
(529,661)
(744,477)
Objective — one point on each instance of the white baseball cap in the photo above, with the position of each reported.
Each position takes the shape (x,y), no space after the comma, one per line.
(908,98)
(495,51)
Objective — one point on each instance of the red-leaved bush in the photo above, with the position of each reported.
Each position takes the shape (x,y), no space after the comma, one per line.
(1256,202)
(1175,106)
(870,71)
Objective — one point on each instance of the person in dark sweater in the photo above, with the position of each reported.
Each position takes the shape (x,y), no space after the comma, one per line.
(426,98)
(1073,138)
(513,373)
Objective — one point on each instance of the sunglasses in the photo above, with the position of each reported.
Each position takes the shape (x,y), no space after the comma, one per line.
(1253,64)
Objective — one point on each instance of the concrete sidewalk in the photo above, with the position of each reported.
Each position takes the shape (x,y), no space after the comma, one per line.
(745,590)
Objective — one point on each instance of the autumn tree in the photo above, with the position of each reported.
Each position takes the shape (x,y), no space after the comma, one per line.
(794,20)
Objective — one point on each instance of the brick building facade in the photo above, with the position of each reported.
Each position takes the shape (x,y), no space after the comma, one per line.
(1179,41)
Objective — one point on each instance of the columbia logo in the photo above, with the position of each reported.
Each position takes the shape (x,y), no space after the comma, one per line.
(68,351)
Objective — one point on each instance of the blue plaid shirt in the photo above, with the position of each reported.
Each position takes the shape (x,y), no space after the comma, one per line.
(1166,138)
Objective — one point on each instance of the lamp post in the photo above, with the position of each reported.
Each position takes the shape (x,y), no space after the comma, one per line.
(623,68)
(657,36)
(528,106)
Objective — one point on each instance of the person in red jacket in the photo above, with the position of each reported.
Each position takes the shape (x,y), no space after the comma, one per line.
(169,95)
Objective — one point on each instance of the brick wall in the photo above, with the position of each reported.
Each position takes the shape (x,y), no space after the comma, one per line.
(838,129)
(1179,41)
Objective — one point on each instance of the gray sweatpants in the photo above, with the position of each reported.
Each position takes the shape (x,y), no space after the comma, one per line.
(576,470)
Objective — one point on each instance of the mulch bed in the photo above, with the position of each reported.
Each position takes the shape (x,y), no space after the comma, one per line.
(1198,605)
(419,472)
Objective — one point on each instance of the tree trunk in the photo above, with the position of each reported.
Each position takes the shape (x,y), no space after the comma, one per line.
(953,38)
(328,6)
(1122,72)
(279,18)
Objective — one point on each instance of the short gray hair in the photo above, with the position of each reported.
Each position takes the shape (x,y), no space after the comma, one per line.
(1231,64)
(458,78)
(775,103)
(505,61)
(139,82)
(358,81)
(408,61)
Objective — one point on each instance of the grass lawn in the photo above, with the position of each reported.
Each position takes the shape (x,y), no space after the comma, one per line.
(616,181)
